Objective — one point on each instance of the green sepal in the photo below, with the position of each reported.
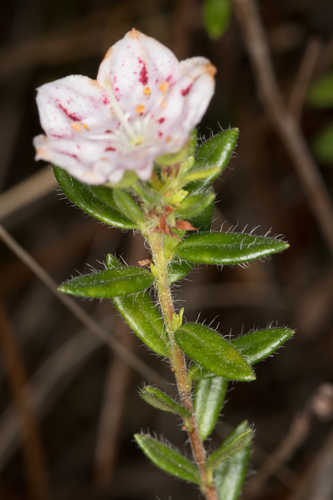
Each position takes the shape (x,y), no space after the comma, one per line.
(96,201)
(111,261)
(320,94)
(178,269)
(208,403)
(162,401)
(213,157)
(258,345)
(230,475)
(128,206)
(216,17)
(167,459)
(213,352)
(109,283)
(227,248)
(230,447)
(145,320)
(322,145)
(194,204)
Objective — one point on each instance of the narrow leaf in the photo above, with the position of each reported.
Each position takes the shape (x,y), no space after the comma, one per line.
(227,248)
(230,475)
(321,92)
(145,320)
(213,352)
(178,270)
(128,206)
(162,401)
(216,16)
(209,398)
(229,447)
(167,459)
(213,154)
(323,145)
(260,344)
(109,283)
(96,201)
(194,204)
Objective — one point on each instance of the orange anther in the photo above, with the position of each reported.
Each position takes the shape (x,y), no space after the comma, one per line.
(164,86)
(77,126)
(147,91)
(140,109)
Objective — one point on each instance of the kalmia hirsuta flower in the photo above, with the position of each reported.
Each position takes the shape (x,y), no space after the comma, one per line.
(143,104)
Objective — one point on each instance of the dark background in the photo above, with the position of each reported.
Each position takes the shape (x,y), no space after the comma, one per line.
(86,406)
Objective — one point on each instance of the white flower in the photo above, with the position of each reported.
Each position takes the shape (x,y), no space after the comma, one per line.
(143,104)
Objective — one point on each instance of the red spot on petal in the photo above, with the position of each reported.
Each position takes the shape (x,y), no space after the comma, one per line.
(110,148)
(161,120)
(143,76)
(56,136)
(106,100)
(108,131)
(160,134)
(184,92)
(71,116)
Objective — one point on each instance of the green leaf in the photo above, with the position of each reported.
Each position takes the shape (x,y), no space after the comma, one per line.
(194,204)
(109,283)
(260,344)
(323,145)
(145,320)
(167,459)
(162,401)
(230,475)
(321,92)
(208,403)
(230,447)
(96,201)
(213,352)
(111,261)
(216,17)
(203,221)
(178,270)
(227,248)
(128,206)
(213,157)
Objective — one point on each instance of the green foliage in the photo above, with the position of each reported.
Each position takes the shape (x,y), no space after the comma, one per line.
(167,458)
(145,320)
(195,203)
(258,345)
(232,445)
(213,352)
(216,17)
(127,206)
(212,158)
(321,92)
(162,401)
(323,144)
(229,476)
(109,283)
(96,201)
(227,248)
(208,402)
(178,270)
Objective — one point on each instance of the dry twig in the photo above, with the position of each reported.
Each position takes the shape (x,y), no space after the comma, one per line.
(137,364)
(284,121)
(35,460)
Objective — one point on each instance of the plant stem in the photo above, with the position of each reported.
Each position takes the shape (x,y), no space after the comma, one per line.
(177,360)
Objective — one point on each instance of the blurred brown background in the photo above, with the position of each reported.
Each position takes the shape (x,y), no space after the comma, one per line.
(68,405)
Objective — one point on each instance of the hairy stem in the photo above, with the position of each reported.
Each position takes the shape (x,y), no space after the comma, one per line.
(178,364)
